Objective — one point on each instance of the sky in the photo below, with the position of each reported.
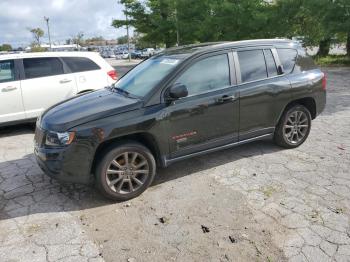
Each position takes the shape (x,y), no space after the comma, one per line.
(67,19)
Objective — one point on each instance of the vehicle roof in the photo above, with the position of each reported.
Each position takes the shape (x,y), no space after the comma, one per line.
(205,47)
(47,54)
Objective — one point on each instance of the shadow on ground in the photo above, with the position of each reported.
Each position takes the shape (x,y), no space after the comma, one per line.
(26,190)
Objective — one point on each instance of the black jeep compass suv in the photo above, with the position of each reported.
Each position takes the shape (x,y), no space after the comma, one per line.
(181,103)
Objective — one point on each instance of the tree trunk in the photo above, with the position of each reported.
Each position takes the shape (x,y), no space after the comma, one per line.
(325,45)
(348,45)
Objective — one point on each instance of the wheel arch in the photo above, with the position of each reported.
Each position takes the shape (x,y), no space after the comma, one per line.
(279,138)
(144,138)
(308,102)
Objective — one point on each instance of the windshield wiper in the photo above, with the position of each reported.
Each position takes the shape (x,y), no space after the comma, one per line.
(113,88)
(119,90)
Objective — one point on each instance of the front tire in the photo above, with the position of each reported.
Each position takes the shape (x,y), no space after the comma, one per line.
(294,127)
(125,171)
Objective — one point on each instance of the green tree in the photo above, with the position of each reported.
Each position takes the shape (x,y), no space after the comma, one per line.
(154,19)
(140,42)
(190,21)
(236,20)
(339,21)
(318,22)
(37,33)
(312,19)
(69,41)
(123,40)
(5,47)
(95,40)
(78,39)
(193,24)
(35,48)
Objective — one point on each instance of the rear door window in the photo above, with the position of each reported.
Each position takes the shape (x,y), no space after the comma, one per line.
(80,64)
(41,67)
(288,58)
(270,63)
(7,71)
(252,64)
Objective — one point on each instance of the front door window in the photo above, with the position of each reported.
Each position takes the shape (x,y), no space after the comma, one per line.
(209,74)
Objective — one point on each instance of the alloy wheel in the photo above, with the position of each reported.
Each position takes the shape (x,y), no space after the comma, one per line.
(296,127)
(127,172)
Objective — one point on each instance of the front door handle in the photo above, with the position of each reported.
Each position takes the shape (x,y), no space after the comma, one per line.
(8,88)
(63,81)
(225,98)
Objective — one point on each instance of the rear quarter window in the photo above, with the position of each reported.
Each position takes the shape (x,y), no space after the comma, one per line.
(80,64)
(304,62)
(288,58)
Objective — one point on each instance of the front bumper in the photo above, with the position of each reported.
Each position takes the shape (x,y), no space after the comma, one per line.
(63,164)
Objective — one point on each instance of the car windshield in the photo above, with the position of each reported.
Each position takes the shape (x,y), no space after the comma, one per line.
(144,77)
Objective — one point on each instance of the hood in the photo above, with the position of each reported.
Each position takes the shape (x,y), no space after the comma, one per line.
(86,108)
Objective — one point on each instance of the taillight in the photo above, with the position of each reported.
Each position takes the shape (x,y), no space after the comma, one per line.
(324,82)
(113,74)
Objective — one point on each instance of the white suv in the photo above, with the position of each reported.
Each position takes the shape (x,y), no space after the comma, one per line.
(32,82)
(148,52)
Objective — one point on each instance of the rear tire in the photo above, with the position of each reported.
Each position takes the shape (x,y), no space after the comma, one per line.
(125,171)
(294,127)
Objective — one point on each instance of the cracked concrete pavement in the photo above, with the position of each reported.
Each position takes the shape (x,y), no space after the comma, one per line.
(259,202)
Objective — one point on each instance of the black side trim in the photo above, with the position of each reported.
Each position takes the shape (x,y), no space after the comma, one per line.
(256,133)
(167,162)
(204,146)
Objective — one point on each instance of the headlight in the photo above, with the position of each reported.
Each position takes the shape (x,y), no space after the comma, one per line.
(59,139)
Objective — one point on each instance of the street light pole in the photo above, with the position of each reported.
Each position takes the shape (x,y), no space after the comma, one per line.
(48,30)
(127,30)
(177,26)
(128,36)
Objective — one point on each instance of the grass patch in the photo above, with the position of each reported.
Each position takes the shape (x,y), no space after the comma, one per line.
(268,191)
(333,60)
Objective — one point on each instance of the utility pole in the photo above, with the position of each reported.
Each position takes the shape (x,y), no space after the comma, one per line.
(177,26)
(48,30)
(128,36)
(127,29)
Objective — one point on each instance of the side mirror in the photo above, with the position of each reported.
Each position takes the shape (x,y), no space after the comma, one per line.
(178,91)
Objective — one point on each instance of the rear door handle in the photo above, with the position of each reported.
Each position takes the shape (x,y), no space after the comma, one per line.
(63,81)
(225,98)
(8,88)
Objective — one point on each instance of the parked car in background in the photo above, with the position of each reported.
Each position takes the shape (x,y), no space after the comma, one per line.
(178,104)
(32,82)
(123,55)
(104,54)
(136,54)
(159,50)
(111,54)
(108,54)
(148,52)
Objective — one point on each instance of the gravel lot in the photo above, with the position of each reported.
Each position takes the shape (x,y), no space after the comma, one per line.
(256,202)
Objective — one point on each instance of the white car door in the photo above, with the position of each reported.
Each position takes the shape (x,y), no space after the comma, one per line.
(88,74)
(11,104)
(45,84)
